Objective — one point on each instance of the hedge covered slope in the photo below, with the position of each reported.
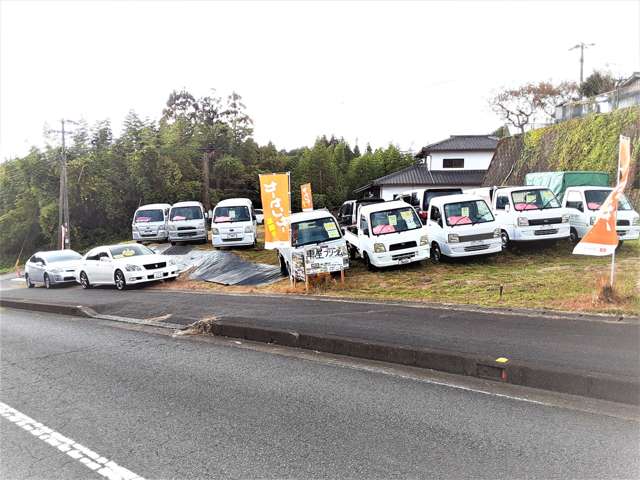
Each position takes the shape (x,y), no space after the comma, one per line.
(589,143)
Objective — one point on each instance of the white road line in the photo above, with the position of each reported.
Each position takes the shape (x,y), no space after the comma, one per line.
(82,454)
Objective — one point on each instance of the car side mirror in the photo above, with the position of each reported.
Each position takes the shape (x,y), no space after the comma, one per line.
(105,259)
(365,231)
(507,208)
(40,264)
(580,207)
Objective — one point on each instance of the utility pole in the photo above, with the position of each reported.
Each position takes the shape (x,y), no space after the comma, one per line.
(64,240)
(207,154)
(582,46)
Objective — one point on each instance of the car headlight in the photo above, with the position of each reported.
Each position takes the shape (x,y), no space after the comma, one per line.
(215,231)
(453,238)
(424,240)
(55,270)
(379,248)
(635,221)
(248,229)
(132,268)
(171,261)
(496,233)
(523,222)
(592,220)
(172,228)
(565,218)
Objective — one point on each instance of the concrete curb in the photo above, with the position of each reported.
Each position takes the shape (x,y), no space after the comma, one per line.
(594,385)
(82,311)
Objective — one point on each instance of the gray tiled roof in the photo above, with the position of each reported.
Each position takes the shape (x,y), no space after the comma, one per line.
(459,143)
(419,175)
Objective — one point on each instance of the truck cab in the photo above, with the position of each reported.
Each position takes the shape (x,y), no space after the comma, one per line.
(150,223)
(234,223)
(187,222)
(462,226)
(348,213)
(421,198)
(388,234)
(583,204)
(315,239)
(526,214)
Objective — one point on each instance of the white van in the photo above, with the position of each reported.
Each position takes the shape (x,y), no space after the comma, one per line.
(388,234)
(462,226)
(421,197)
(187,222)
(316,245)
(233,223)
(150,223)
(583,204)
(529,214)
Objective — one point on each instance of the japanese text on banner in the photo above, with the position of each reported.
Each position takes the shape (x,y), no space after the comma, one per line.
(276,205)
(307,199)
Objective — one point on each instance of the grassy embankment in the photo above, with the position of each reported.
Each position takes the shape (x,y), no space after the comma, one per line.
(532,276)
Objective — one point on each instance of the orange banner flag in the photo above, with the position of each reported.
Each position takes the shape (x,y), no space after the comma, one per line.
(276,206)
(307,198)
(602,238)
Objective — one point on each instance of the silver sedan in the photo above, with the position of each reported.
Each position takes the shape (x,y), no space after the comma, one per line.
(51,268)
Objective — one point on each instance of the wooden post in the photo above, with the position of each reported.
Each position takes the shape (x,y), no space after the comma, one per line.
(342,277)
(306,283)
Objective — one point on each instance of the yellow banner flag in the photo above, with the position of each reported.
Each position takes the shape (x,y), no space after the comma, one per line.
(602,239)
(307,199)
(276,205)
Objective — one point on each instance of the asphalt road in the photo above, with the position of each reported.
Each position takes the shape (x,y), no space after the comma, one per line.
(165,407)
(591,346)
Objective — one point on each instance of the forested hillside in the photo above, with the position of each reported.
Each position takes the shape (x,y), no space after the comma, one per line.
(589,143)
(160,161)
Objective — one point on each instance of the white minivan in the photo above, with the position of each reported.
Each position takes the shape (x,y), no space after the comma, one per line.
(583,204)
(187,222)
(150,223)
(233,223)
(527,214)
(387,234)
(462,226)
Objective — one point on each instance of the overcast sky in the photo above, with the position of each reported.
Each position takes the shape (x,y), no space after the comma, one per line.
(407,73)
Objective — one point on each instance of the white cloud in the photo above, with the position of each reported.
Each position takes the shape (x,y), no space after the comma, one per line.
(408,73)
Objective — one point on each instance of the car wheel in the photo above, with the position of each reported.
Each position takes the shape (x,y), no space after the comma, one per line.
(352,252)
(573,235)
(620,242)
(504,236)
(28,280)
(119,280)
(283,266)
(436,254)
(370,266)
(84,280)
(173,243)
(47,281)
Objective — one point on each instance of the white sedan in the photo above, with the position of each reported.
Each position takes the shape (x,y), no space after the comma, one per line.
(123,265)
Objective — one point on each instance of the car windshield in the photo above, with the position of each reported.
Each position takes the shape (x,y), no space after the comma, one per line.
(314,231)
(231,214)
(467,213)
(125,251)
(394,221)
(65,256)
(144,216)
(185,213)
(537,199)
(430,195)
(595,199)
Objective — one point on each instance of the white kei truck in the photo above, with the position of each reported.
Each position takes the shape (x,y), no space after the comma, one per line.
(316,245)
(187,222)
(234,223)
(150,223)
(583,204)
(387,234)
(462,226)
(528,214)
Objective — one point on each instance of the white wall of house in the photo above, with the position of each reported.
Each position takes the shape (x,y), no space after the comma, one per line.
(388,191)
(472,160)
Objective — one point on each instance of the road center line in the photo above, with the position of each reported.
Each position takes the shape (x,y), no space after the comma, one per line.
(82,454)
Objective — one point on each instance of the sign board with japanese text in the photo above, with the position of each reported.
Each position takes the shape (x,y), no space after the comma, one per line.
(276,205)
(318,259)
(602,239)
(307,199)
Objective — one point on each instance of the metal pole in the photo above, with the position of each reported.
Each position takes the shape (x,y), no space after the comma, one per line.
(67,240)
(581,61)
